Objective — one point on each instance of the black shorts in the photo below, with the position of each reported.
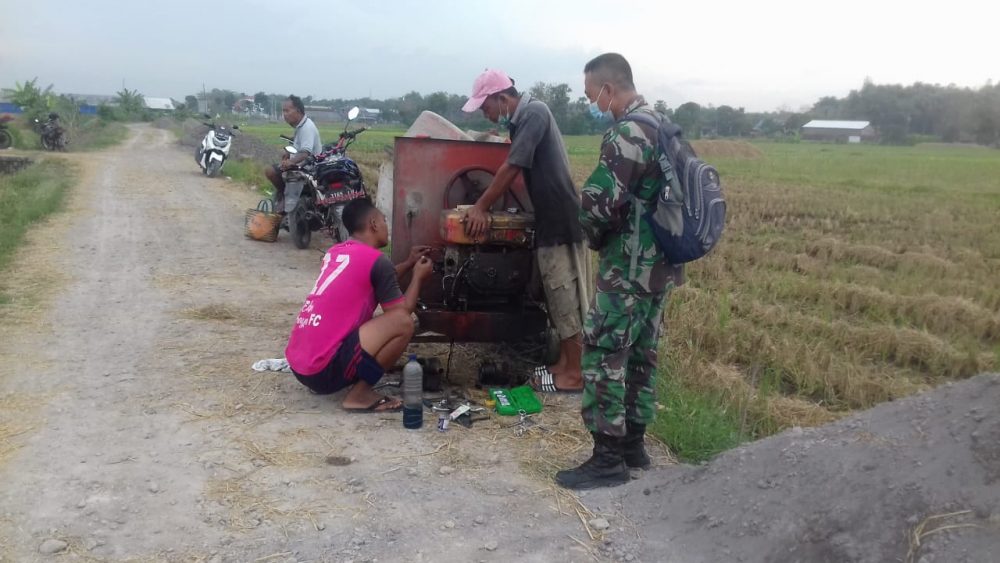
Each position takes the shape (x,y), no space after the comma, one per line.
(349,364)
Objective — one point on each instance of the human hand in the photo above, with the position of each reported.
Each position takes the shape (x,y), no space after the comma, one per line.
(418,252)
(423,268)
(476,222)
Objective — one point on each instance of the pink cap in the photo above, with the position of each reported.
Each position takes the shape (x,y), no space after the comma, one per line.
(488,83)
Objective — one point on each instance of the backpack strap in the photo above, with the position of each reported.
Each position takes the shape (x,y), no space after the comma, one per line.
(638,205)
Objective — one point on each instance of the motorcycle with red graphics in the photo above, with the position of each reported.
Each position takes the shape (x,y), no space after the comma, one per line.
(318,189)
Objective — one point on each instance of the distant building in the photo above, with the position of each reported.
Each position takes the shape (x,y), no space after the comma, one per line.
(323,114)
(838,131)
(159,104)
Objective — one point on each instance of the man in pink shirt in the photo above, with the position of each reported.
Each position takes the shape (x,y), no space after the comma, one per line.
(335,342)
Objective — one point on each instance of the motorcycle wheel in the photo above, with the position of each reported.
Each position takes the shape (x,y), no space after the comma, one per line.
(213,168)
(47,143)
(298,226)
(5,139)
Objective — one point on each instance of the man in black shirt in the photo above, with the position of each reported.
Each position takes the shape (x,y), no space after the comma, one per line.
(537,152)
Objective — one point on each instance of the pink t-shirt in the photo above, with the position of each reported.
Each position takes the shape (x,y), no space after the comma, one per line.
(354,278)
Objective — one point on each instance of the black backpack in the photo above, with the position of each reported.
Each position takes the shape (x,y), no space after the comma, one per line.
(689,214)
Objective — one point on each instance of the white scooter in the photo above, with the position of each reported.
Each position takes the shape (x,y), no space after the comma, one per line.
(214,148)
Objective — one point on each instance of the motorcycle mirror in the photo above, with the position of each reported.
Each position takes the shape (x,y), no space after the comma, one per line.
(291,150)
(353,113)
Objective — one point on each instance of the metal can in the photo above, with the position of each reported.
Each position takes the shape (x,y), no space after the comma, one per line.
(442,422)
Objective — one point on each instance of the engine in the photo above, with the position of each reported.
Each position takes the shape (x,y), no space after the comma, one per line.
(493,272)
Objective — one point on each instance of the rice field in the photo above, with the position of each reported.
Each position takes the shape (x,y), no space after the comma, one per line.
(848,275)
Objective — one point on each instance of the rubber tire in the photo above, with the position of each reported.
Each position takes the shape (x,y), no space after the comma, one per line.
(46,144)
(5,139)
(298,227)
(214,167)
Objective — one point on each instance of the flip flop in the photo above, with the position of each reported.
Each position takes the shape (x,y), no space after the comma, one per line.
(545,382)
(374,407)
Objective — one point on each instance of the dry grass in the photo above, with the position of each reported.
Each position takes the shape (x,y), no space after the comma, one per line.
(935,524)
(16,420)
(838,288)
(847,276)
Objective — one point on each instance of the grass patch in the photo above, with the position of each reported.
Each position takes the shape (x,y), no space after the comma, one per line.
(695,425)
(27,197)
(247,171)
(97,134)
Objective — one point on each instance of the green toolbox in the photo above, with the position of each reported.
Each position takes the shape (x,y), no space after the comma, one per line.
(512,402)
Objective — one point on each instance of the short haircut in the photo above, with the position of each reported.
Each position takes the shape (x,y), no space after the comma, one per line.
(297,103)
(613,68)
(356,214)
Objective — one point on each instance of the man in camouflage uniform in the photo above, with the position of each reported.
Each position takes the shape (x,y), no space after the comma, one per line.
(622,329)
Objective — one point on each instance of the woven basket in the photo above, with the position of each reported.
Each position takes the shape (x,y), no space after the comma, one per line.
(262,223)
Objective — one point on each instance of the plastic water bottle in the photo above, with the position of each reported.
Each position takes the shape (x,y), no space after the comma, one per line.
(413,394)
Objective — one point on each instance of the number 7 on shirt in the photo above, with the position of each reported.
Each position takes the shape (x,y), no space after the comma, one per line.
(343,260)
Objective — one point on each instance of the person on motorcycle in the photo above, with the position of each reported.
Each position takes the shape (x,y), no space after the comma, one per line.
(306,141)
(52,129)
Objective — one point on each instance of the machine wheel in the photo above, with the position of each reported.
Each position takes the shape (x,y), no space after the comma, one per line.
(46,143)
(5,139)
(298,226)
(213,168)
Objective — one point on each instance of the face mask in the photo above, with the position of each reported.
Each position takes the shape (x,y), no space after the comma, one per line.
(503,122)
(602,117)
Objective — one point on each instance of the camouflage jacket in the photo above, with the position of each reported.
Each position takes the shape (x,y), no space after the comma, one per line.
(627,167)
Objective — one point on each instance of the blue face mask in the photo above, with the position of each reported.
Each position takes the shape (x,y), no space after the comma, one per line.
(602,117)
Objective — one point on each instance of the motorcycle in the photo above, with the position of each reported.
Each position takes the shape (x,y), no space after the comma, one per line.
(51,133)
(318,189)
(6,140)
(213,151)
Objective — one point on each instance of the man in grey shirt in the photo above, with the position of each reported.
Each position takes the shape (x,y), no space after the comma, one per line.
(306,142)
(537,153)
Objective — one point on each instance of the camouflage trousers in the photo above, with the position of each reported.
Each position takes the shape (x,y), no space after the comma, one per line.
(620,339)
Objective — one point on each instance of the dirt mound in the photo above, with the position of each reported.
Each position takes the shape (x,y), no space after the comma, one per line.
(726,149)
(916,480)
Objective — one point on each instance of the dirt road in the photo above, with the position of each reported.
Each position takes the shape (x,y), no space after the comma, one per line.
(132,429)
(138,431)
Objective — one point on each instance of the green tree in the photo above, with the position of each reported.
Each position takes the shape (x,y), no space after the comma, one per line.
(410,107)
(556,96)
(131,102)
(688,116)
(437,102)
(35,102)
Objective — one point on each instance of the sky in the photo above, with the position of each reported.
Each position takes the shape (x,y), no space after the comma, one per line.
(762,55)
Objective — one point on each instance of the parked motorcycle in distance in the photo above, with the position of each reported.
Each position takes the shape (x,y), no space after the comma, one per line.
(6,139)
(52,135)
(213,151)
(318,189)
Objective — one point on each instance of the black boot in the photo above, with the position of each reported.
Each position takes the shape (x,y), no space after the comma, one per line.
(605,468)
(635,451)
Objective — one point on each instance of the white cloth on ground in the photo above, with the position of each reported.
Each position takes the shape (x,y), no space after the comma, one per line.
(275,364)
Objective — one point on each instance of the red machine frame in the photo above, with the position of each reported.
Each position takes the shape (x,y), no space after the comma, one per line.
(422,170)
